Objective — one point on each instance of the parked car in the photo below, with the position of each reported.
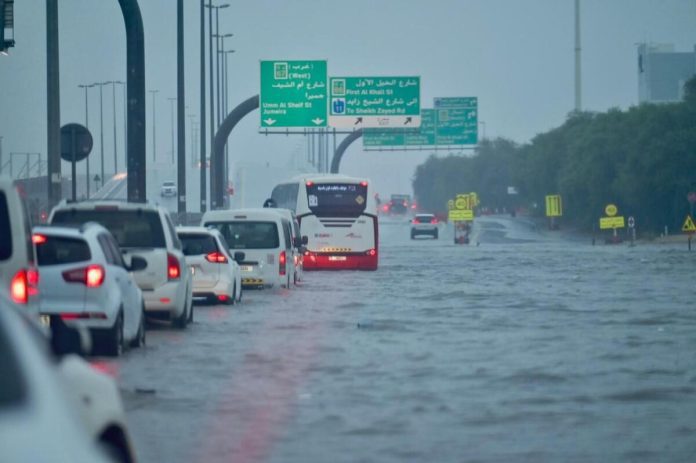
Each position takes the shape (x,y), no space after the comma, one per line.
(216,274)
(18,274)
(297,242)
(57,409)
(168,190)
(424,224)
(147,231)
(86,281)
(264,237)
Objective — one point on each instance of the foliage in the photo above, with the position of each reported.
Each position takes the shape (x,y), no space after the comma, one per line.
(643,160)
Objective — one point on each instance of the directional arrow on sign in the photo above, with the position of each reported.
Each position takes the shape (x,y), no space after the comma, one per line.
(318,121)
(269,121)
(408,120)
(358,121)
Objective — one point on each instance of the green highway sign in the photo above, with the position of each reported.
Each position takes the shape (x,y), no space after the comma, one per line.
(378,137)
(425,135)
(374,102)
(293,94)
(457,121)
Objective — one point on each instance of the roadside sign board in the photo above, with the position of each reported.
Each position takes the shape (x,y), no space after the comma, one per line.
(384,102)
(459,215)
(689,226)
(611,210)
(554,206)
(293,94)
(611,222)
(631,222)
(457,121)
(421,136)
(463,202)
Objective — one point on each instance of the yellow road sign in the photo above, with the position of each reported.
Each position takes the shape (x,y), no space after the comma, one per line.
(474,199)
(554,206)
(611,210)
(462,202)
(460,215)
(611,222)
(689,226)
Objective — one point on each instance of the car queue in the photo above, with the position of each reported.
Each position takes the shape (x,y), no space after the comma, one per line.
(86,282)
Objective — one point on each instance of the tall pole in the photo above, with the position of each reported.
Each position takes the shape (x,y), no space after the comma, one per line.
(578,74)
(113,94)
(125,124)
(181,116)
(202,156)
(101,129)
(1,157)
(87,126)
(193,145)
(212,96)
(53,103)
(154,127)
(171,108)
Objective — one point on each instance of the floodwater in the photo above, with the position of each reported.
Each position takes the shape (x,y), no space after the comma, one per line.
(526,348)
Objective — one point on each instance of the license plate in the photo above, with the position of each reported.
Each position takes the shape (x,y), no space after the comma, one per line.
(45,320)
(337,258)
(247,268)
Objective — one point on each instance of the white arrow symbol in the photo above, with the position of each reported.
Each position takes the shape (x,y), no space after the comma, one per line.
(317,121)
(269,121)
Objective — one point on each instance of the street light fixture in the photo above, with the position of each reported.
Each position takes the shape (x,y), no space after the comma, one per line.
(220,46)
(87,126)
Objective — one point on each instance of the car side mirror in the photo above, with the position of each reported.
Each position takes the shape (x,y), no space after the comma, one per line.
(239,257)
(305,240)
(69,339)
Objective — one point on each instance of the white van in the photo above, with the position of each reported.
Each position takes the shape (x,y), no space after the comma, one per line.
(266,240)
(297,241)
(18,273)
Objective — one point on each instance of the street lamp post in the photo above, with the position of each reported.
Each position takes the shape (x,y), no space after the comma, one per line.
(101,126)
(192,121)
(154,127)
(87,126)
(220,73)
(125,123)
(171,107)
(113,93)
(224,104)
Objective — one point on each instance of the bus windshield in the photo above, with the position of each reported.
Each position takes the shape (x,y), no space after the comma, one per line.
(336,199)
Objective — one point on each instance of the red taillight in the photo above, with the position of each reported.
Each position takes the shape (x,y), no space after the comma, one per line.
(416,221)
(19,287)
(282,260)
(371,252)
(216,258)
(33,281)
(310,183)
(38,239)
(173,268)
(385,208)
(83,315)
(434,221)
(223,298)
(363,183)
(91,276)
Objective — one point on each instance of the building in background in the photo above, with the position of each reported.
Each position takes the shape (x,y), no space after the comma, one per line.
(662,72)
(6,25)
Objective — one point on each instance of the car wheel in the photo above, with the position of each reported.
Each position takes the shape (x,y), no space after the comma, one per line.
(435,235)
(114,342)
(239,298)
(139,340)
(182,320)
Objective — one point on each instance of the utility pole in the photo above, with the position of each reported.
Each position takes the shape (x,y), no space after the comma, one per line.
(202,154)
(53,103)
(113,92)
(101,128)
(154,127)
(181,119)
(578,74)
(87,126)
(171,108)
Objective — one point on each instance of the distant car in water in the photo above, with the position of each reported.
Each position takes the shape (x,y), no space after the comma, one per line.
(398,204)
(168,190)
(424,224)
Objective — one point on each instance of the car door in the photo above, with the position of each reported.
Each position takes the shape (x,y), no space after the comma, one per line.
(126,285)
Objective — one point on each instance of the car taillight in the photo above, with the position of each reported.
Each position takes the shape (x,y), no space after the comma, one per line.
(19,287)
(363,183)
(434,221)
(371,252)
(216,258)
(416,221)
(91,276)
(282,260)
(173,268)
(38,239)
(33,281)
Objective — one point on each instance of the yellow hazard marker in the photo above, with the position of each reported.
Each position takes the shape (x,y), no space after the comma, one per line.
(689,226)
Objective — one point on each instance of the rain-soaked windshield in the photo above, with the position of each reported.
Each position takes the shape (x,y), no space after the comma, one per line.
(495,201)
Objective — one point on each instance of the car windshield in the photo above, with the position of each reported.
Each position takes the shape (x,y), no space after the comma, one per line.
(57,250)
(249,234)
(131,228)
(195,244)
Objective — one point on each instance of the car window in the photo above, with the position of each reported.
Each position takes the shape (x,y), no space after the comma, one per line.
(249,234)
(195,244)
(130,228)
(106,249)
(116,251)
(5,229)
(58,250)
(288,234)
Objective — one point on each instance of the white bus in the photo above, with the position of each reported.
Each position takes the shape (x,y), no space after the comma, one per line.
(338,216)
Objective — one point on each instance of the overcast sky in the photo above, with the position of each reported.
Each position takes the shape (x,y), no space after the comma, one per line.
(516,56)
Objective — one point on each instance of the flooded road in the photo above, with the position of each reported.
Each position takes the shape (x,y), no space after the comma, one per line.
(527,347)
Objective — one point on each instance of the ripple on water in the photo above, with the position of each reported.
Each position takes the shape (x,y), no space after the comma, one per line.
(657,394)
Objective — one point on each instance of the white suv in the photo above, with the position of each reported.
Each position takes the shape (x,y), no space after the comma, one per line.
(144,230)
(216,274)
(168,189)
(18,275)
(424,224)
(85,282)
